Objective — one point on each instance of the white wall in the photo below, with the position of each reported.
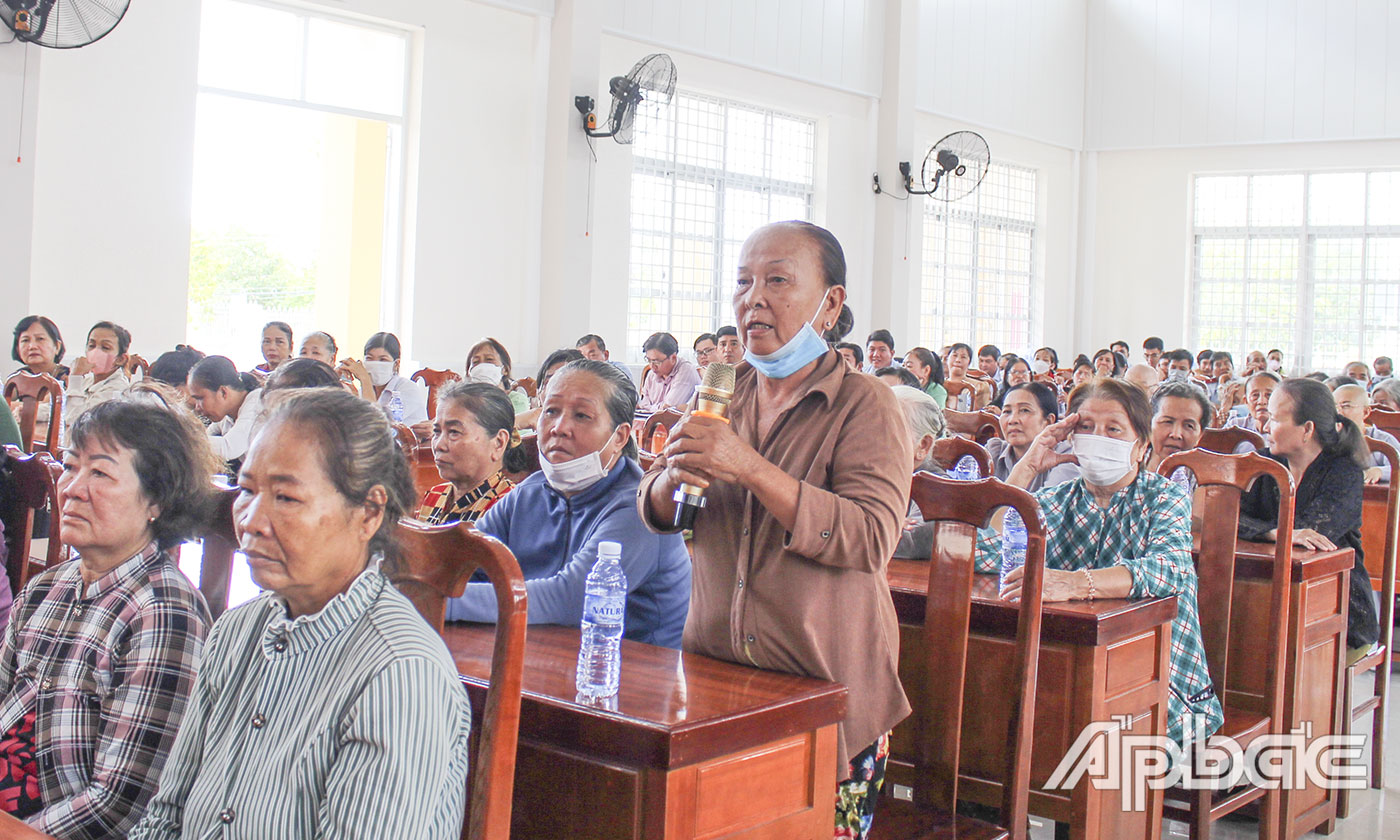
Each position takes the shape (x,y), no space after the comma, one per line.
(1192,72)
(1016,66)
(1142,230)
(19,84)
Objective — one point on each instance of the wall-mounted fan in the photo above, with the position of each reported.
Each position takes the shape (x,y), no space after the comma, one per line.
(62,24)
(651,82)
(952,168)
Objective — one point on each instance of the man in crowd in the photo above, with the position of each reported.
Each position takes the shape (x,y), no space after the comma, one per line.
(731,352)
(1152,351)
(879,351)
(672,380)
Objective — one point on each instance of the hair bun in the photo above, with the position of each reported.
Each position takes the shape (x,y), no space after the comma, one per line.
(845,322)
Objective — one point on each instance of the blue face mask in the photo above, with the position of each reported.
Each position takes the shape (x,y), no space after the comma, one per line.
(800,350)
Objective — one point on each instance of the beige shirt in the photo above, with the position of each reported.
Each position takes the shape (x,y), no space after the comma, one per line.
(813,601)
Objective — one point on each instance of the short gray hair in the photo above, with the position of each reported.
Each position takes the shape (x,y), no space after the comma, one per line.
(1390,386)
(1186,391)
(922,414)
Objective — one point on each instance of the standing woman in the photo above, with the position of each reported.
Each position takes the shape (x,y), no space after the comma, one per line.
(804,505)
(231,400)
(1326,455)
(276,346)
(928,369)
(98,375)
(379,380)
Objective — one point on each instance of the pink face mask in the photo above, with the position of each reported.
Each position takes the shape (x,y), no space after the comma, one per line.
(103,361)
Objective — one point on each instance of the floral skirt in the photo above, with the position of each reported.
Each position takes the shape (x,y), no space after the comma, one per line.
(857,796)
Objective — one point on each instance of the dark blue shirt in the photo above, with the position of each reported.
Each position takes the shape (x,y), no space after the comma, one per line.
(555,539)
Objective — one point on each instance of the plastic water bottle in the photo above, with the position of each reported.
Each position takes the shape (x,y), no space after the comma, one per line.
(396,406)
(965,401)
(965,469)
(604,607)
(1181,477)
(1013,544)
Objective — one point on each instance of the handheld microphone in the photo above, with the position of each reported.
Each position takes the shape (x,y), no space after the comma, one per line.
(714,395)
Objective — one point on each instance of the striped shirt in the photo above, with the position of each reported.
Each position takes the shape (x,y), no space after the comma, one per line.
(351,722)
(107,667)
(441,504)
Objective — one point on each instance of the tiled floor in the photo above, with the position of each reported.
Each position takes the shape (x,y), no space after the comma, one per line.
(1375,814)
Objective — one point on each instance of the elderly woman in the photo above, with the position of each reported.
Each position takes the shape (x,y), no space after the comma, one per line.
(489,361)
(1029,407)
(326,707)
(474,439)
(928,369)
(276,346)
(552,364)
(403,400)
(1386,395)
(1325,454)
(101,652)
(319,346)
(1352,403)
(924,419)
(302,372)
(1118,531)
(584,494)
(97,375)
(1180,412)
(804,504)
(39,347)
(231,400)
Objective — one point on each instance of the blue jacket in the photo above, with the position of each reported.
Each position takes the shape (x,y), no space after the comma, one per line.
(556,542)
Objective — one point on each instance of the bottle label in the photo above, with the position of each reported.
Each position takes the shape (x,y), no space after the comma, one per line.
(608,611)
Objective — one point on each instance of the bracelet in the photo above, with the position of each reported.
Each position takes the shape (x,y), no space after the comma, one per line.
(1093,592)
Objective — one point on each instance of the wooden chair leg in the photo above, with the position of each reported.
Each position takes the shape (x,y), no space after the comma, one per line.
(1199,828)
(1271,816)
(1348,724)
(1378,726)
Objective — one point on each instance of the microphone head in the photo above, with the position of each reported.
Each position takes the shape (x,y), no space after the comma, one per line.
(719,377)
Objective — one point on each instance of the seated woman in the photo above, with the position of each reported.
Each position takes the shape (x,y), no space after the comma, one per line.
(552,364)
(319,346)
(100,657)
(1045,363)
(1180,412)
(491,363)
(928,369)
(1108,363)
(1018,372)
(1325,454)
(1118,531)
(584,493)
(959,359)
(97,376)
(1028,409)
(1352,403)
(923,418)
(231,400)
(326,707)
(276,347)
(474,439)
(39,347)
(381,383)
(1386,395)
(896,377)
(173,368)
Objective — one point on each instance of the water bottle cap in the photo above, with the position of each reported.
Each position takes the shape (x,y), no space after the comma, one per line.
(608,548)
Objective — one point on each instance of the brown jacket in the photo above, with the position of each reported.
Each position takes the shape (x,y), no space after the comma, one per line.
(814,601)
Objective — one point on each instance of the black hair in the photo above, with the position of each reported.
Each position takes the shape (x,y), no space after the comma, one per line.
(123,335)
(1380,359)
(1181,354)
(854,348)
(1120,341)
(215,372)
(592,339)
(1313,403)
(663,341)
(1221,354)
(49,327)
(1120,364)
(695,345)
(719,333)
(989,350)
(386,341)
(1044,396)
(172,458)
(622,398)
(1054,357)
(283,326)
(929,359)
(881,335)
(173,366)
(962,346)
(845,322)
(904,376)
(1186,391)
(565,355)
(493,412)
(501,351)
(302,372)
(1153,343)
(1204,354)
(1335,382)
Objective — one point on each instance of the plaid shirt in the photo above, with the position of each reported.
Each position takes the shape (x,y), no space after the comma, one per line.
(440,504)
(108,668)
(1146,529)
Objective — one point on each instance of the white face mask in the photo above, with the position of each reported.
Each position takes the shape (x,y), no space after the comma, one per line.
(577,475)
(1039,366)
(486,373)
(1274,365)
(1103,461)
(380,372)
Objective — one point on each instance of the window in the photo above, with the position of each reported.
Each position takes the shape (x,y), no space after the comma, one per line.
(1305,262)
(979,281)
(298,176)
(706,173)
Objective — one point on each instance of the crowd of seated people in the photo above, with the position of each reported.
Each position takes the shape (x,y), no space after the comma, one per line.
(308,437)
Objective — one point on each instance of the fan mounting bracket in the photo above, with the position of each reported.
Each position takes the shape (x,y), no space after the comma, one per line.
(907,171)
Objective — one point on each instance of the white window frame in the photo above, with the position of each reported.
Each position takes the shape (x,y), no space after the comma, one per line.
(718,178)
(1299,357)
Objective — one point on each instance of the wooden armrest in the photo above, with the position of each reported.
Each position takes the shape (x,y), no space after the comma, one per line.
(13,829)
